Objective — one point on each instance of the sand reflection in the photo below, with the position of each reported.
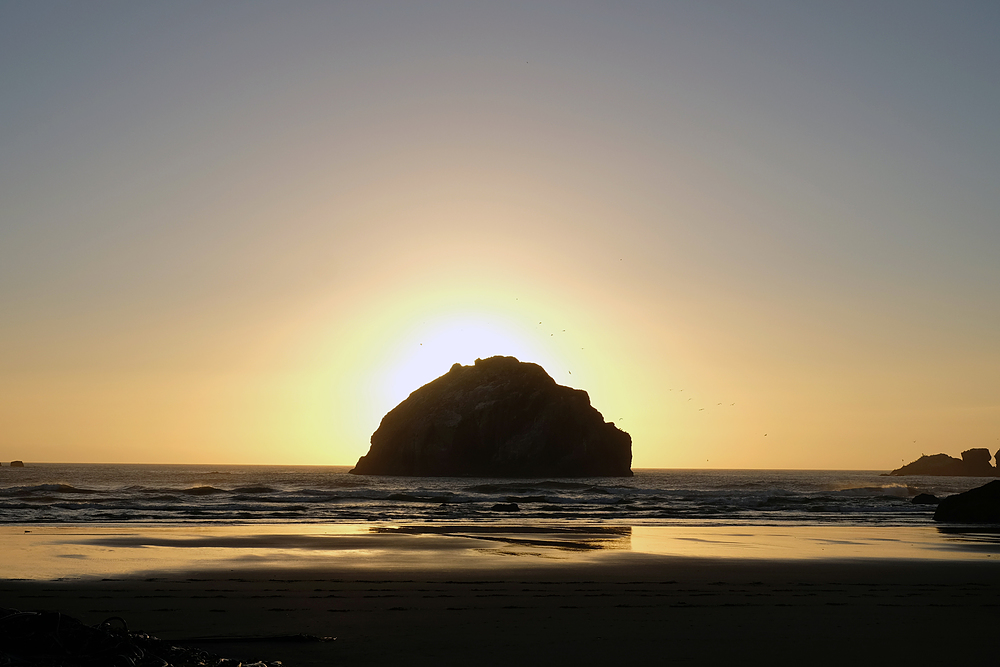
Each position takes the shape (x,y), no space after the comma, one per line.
(575,538)
(62,551)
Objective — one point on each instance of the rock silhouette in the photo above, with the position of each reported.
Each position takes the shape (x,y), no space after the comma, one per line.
(497,418)
(979,505)
(17,464)
(974,463)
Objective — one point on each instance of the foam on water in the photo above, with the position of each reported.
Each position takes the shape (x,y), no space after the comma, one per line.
(53,493)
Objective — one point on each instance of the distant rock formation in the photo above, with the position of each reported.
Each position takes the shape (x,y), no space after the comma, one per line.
(925,499)
(17,464)
(979,505)
(974,463)
(497,418)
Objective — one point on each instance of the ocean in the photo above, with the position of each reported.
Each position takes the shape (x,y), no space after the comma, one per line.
(241,494)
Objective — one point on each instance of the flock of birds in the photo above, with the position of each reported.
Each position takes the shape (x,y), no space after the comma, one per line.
(719,404)
(691,399)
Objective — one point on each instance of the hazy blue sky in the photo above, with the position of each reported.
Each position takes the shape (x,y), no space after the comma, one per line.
(225,228)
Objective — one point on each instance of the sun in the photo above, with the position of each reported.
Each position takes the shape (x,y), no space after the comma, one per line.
(429,349)
(392,347)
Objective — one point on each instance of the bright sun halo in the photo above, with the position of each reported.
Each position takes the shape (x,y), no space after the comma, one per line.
(429,349)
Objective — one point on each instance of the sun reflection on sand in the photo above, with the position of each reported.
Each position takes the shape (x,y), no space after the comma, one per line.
(73,552)
(575,538)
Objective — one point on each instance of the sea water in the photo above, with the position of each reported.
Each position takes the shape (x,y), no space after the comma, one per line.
(241,494)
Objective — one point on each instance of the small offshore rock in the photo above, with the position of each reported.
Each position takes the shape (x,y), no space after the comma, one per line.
(17,464)
(925,499)
(974,463)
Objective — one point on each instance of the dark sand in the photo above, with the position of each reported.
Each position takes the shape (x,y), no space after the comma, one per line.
(536,598)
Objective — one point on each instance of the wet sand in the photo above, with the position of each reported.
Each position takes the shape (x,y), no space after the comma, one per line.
(451,595)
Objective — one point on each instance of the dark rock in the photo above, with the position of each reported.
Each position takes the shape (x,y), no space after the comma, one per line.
(974,463)
(979,505)
(497,418)
(937,464)
(925,499)
(506,507)
(40,638)
(979,456)
(17,464)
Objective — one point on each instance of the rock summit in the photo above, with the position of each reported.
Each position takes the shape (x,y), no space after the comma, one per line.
(497,418)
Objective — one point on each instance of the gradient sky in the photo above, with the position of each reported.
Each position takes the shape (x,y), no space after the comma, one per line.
(242,232)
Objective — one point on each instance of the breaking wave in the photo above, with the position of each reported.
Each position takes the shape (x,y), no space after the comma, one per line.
(79,494)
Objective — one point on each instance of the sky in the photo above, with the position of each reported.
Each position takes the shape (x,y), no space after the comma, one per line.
(759,235)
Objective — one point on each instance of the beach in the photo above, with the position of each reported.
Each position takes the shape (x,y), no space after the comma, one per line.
(497,595)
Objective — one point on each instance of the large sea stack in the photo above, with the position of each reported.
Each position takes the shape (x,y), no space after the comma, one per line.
(497,418)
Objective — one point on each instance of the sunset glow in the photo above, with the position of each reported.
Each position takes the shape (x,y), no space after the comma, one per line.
(424,351)
(236,233)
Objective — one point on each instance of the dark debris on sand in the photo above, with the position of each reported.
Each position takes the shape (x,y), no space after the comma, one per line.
(52,639)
